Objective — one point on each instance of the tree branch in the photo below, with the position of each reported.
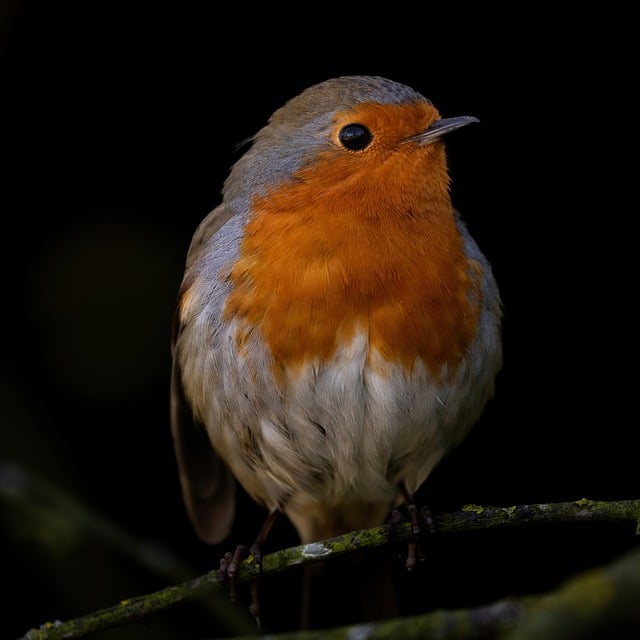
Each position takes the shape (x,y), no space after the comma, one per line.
(444,624)
(600,603)
(470,518)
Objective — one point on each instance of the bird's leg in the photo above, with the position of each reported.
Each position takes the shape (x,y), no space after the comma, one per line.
(230,565)
(228,570)
(416,527)
(256,552)
(427,518)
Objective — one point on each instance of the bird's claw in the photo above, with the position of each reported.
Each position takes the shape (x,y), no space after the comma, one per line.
(229,570)
(421,522)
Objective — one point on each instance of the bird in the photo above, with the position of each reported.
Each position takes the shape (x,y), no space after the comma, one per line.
(337,329)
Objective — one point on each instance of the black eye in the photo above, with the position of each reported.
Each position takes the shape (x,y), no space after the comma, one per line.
(355,137)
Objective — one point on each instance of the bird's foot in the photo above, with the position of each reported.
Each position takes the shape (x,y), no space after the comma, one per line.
(230,566)
(229,570)
(421,521)
(415,553)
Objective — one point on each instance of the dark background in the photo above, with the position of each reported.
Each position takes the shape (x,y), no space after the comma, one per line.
(118,128)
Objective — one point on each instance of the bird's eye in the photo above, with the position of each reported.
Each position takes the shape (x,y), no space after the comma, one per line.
(355,137)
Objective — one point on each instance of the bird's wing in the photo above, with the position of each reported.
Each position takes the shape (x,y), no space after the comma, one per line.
(208,486)
(211,224)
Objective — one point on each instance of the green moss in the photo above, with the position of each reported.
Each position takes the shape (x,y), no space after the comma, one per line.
(475,508)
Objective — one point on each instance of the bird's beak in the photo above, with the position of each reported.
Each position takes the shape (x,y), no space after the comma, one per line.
(441,127)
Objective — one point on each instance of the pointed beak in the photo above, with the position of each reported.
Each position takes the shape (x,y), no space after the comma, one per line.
(441,127)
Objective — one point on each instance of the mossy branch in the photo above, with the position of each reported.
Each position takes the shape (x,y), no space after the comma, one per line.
(470,518)
(600,603)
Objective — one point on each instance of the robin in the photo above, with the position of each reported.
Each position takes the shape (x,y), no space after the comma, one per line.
(338,329)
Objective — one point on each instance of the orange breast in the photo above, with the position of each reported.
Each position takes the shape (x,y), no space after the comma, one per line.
(359,243)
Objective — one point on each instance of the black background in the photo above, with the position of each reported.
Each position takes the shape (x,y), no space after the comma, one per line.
(119,124)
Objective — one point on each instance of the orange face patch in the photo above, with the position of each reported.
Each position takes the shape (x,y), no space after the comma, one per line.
(360,241)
